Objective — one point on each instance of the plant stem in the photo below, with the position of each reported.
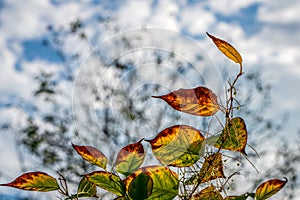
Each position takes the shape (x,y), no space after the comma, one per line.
(229,109)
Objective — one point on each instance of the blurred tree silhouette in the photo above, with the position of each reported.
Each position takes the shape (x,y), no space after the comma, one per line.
(50,124)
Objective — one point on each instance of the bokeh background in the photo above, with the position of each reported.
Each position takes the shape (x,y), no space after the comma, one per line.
(44,44)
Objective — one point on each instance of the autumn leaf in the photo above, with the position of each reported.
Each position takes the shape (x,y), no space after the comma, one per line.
(208,193)
(233,136)
(107,181)
(92,155)
(35,181)
(165,182)
(178,145)
(211,169)
(269,188)
(199,101)
(140,187)
(130,158)
(227,49)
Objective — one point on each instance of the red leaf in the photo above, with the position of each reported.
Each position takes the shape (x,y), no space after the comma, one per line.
(92,155)
(199,101)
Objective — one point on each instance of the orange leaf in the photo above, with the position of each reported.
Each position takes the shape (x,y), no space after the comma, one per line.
(178,145)
(269,188)
(130,158)
(35,181)
(199,101)
(227,49)
(92,155)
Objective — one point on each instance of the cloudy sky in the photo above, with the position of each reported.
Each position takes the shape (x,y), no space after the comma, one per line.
(265,32)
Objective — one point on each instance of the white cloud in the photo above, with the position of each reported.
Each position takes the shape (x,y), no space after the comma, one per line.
(133,14)
(164,16)
(29,20)
(195,20)
(229,7)
(280,12)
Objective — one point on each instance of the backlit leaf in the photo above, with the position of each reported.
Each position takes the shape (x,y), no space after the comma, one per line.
(140,187)
(107,181)
(233,136)
(35,181)
(178,145)
(227,49)
(208,193)
(165,182)
(269,188)
(130,158)
(199,101)
(92,155)
(211,169)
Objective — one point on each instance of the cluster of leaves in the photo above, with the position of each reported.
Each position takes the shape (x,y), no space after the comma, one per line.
(178,146)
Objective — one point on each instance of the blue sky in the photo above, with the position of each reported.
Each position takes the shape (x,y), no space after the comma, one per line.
(265,32)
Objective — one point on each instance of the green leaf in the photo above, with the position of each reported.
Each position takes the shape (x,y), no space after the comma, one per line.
(34,181)
(92,155)
(269,188)
(178,145)
(208,193)
(107,181)
(121,198)
(85,189)
(212,168)
(165,182)
(130,158)
(233,136)
(140,187)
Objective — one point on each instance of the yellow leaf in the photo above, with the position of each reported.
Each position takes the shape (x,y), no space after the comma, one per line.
(211,169)
(177,146)
(199,101)
(35,181)
(130,158)
(269,188)
(227,49)
(92,155)
(233,137)
(208,193)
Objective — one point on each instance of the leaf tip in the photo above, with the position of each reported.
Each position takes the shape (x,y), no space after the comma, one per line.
(209,35)
(157,97)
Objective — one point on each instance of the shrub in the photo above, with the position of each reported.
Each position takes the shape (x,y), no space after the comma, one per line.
(197,157)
